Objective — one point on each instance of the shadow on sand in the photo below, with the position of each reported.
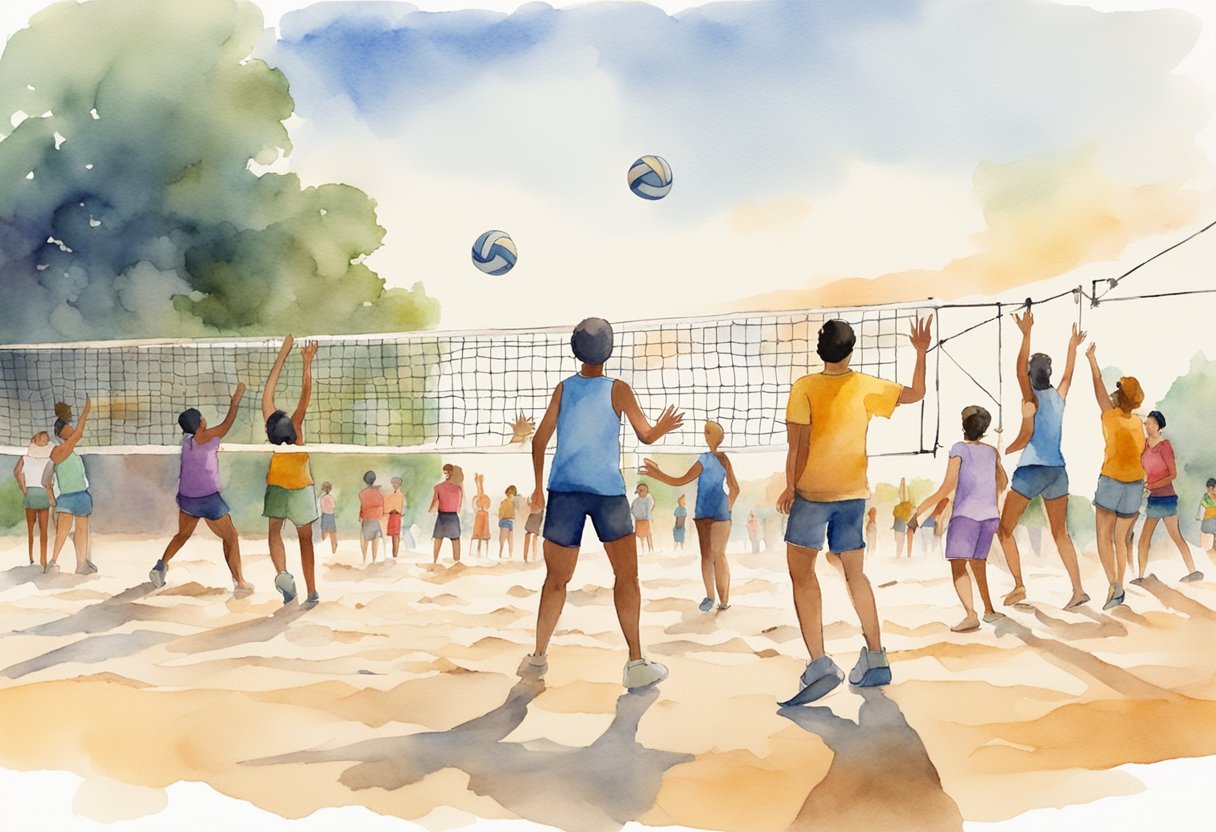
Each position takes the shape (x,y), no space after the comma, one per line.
(599,787)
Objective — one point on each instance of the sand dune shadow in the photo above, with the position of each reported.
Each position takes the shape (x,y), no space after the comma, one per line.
(599,787)
(881,776)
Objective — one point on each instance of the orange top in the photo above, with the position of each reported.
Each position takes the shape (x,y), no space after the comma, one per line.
(1124,435)
(289,470)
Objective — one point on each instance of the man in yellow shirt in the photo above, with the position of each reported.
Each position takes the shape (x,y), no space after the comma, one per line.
(825,494)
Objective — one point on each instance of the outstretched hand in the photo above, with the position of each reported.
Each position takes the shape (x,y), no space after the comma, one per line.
(1025,321)
(649,469)
(309,351)
(1078,338)
(669,421)
(1092,352)
(238,392)
(922,334)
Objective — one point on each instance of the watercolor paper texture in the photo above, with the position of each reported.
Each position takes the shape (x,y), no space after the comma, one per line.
(752,415)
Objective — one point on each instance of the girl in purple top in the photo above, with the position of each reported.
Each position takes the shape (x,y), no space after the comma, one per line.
(198,492)
(1160,472)
(976,478)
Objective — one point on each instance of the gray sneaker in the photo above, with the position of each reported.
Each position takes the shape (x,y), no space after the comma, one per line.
(157,574)
(286,584)
(642,673)
(532,666)
(871,670)
(1194,576)
(706,605)
(820,678)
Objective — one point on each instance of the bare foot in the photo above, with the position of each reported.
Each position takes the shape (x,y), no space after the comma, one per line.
(242,587)
(1076,600)
(992,616)
(967,625)
(1017,595)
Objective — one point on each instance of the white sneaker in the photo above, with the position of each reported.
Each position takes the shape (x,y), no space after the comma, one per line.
(871,669)
(643,673)
(157,574)
(286,584)
(533,666)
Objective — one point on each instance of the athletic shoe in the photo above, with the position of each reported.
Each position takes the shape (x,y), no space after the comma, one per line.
(157,574)
(871,669)
(993,617)
(312,598)
(90,566)
(1194,576)
(820,678)
(706,605)
(286,584)
(1115,601)
(643,673)
(1138,581)
(533,666)
(723,607)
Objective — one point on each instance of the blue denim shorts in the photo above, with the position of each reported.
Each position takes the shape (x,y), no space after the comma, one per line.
(840,524)
(1160,508)
(1050,481)
(77,504)
(567,513)
(1121,498)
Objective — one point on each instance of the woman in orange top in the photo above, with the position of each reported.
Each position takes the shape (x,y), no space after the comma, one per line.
(289,486)
(1121,485)
(481,519)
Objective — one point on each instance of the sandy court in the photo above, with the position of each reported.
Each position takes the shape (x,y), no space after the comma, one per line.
(398,691)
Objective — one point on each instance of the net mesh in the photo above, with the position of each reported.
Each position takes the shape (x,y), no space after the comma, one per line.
(446,391)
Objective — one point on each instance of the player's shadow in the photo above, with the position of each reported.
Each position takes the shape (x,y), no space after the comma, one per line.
(600,787)
(103,616)
(1098,626)
(26,573)
(244,632)
(1178,601)
(91,650)
(881,776)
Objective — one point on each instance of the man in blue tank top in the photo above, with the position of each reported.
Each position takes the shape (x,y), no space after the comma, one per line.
(585,482)
(1040,471)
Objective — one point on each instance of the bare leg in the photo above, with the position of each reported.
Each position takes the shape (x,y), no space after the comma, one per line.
(979,571)
(362,547)
(1123,526)
(1146,539)
(808,601)
(438,543)
(899,545)
(626,592)
(1057,519)
(63,524)
(559,569)
(396,544)
(333,542)
(44,519)
(185,527)
(226,532)
(962,586)
(1171,526)
(705,544)
(862,596)
(307,565)
(456,549)
(274,538)
(1015,506)
(719,536)
(1105,522)
(30,518)
(80,542)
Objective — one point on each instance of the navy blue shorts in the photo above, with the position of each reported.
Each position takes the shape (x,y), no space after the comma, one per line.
(211,507)
(567,513)
(842,520)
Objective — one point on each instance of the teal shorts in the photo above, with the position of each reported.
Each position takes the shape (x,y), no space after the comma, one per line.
(299,505)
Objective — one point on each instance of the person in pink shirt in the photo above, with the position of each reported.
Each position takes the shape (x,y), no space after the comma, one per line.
(1160,472)
(329,523)
(449,496)
(371,512)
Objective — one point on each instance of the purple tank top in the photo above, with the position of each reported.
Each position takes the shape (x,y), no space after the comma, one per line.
(200,475)
(975,495)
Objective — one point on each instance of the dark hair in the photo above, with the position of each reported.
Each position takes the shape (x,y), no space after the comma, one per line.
(836,341)
(1158,417)
(975,422)
(279,429)
(1039,367)
(60,424)
(592,341)
(190,420)
(1211,482)
(370,478)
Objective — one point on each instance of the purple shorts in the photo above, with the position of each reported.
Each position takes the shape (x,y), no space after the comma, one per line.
(970,539)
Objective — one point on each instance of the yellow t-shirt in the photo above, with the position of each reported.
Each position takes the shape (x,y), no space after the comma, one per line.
(289,469)
(1124,435)
(903,512)
(394,501)
(506,509)
(838,408)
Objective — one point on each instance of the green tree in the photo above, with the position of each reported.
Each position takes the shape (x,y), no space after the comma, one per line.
(131,202)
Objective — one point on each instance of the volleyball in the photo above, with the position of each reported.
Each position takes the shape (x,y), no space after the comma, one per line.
(650,177)
(494,253)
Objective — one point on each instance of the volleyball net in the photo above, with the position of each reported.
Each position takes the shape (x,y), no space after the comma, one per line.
(457,392)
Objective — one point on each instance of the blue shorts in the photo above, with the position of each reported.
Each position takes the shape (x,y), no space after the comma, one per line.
(1160,508)
(328,523)
(211,507)
(1121,498)
(447,526)
(568,512)
(1208,526)
(506,523)
(843,520)
(1048,481)
(77,504)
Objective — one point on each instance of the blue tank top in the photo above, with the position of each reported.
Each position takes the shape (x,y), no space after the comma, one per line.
(588,458)
(712,503)
(1044,447)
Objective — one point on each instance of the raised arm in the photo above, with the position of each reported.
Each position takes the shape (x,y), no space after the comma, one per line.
(1074,342)
(732,484)
(1103,397)
(624,401)
(308,353)
(63,451)
(221,430)
(650,469)
(272,380)
(945,490)
(921,336)
(798,437)
(540,441)
(1025,323)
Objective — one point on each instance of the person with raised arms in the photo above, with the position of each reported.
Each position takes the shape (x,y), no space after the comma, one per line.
(73,500)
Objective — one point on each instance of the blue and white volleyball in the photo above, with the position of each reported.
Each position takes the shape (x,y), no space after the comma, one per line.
(650,177)
(494,253)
